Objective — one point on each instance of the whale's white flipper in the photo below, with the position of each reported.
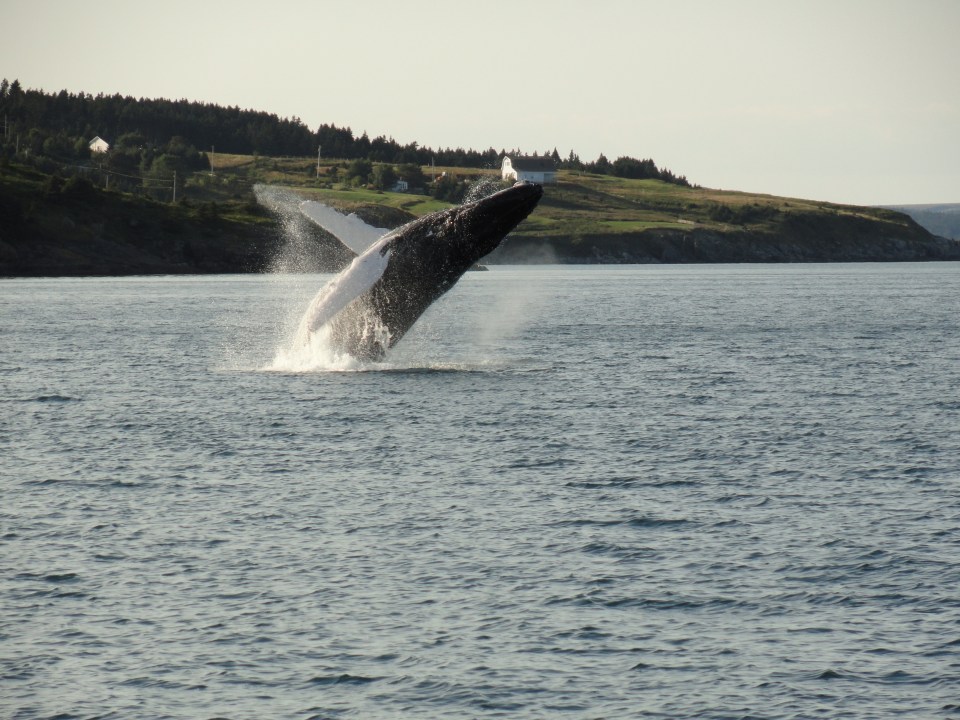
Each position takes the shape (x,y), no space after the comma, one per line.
(348,229)
(346,287)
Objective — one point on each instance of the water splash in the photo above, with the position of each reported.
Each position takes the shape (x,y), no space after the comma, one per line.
(318,354)
(481,188)
(298,252)
(514,309)
(313,353)
(291,274)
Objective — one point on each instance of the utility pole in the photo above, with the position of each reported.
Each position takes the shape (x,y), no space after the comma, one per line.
(174,187)
(319,147)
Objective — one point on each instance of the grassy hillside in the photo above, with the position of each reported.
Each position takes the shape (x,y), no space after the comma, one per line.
(579,204)
(599,218)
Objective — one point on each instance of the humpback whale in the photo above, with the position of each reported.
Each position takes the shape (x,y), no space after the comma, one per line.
(371,304)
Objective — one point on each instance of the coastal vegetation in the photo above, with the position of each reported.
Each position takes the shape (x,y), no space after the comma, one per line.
(158,203)
(61,125)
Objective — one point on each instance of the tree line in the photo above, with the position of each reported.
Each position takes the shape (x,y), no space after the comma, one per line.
(62,124)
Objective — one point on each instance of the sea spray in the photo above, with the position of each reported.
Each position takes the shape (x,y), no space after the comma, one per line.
(482,187)
(313,349)
(514,306)
(296,255)
(313,353)
(300,253)
(302,248)
(298,347)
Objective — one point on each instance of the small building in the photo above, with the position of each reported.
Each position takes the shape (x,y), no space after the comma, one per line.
(99,145)
(401,186)
(541,170)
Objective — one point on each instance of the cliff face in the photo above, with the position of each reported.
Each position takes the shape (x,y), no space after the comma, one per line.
(64,244)
(800,237)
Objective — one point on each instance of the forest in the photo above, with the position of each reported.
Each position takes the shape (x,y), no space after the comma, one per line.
(60,126)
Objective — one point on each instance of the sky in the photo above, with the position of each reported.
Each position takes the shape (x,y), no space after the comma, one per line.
(852,101)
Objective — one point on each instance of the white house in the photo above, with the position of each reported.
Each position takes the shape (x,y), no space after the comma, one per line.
(533,169)
(99,145)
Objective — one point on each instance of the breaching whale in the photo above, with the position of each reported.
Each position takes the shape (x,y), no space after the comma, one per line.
(371,304)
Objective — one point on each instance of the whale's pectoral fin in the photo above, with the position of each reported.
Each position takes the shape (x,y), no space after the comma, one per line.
(348,229)
(346,287)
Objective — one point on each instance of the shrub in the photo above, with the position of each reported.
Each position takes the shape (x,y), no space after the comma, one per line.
(78,188)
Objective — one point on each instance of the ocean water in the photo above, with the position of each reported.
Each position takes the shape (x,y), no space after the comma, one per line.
(578,492)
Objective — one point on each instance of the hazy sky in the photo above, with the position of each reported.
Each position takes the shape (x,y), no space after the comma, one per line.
(843,100)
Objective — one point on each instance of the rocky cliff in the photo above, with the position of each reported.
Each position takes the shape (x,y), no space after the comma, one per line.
(800,237)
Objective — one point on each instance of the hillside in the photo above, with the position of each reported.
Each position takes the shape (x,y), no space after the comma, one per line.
(51,226)
(604,219)
(588,218)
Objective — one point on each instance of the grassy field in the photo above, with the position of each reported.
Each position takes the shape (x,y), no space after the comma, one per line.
(414,204)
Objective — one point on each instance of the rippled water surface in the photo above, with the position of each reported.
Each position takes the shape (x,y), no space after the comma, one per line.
(585,492)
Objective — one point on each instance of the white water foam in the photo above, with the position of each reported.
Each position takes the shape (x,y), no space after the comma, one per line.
(299,345)
(319,355)
(314,353)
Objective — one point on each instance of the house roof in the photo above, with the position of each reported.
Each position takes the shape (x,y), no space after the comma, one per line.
(533,164)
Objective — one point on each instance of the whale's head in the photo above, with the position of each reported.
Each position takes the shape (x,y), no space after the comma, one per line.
(486,222)
(437,249)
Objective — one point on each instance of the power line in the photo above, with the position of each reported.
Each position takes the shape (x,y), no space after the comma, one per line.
(66,163)
(146,183)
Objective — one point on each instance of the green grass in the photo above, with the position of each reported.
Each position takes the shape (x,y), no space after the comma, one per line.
(638,225)
(415,204)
